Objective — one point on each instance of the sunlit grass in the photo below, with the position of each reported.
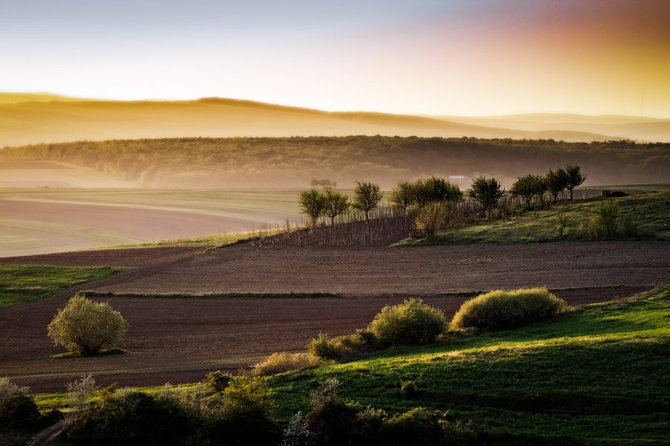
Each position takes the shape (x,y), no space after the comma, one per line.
(649,211)
(27,283)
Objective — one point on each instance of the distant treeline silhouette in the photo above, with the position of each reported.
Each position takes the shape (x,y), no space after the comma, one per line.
(294,162)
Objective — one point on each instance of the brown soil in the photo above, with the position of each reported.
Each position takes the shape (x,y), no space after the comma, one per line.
(180,339)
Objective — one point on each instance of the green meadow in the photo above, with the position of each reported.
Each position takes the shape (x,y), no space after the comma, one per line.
(27,283)
(649,213)
(596,375)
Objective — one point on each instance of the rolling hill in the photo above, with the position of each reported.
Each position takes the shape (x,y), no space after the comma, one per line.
(42,118)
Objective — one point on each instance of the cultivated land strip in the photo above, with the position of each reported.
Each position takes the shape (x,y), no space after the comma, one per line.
(179,339)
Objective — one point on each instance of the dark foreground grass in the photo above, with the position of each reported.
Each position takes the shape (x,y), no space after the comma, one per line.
(26,283)
(597,375)
(648,211)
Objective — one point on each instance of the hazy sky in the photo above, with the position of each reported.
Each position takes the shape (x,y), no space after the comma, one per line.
(443,57)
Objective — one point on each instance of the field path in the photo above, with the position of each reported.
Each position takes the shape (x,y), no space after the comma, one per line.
(180,339)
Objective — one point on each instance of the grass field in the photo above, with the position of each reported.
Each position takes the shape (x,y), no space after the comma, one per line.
(596,374)
(650,212)
(26,283)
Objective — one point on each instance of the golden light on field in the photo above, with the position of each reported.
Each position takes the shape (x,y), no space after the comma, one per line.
(428,57)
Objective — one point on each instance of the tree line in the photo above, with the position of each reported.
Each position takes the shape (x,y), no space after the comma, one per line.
(433,198)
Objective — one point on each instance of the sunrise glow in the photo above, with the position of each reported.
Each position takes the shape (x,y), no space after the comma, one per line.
(460,57)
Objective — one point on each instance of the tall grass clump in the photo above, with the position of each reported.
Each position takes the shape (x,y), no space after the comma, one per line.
(500,310)
(409,323)
(285,362)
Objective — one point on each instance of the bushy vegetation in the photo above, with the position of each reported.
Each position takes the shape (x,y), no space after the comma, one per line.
(641,216)
(430,219)
(218,380)
(501,310)
(243,414)
(600,367)
(17,406)
(603,222)
(332,421)
(285,362)
(410,323)
(86,327)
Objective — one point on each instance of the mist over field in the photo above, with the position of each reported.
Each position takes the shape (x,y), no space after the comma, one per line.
(294,162)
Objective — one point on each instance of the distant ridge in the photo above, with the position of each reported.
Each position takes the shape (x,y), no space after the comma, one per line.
(617,126)
(27,118)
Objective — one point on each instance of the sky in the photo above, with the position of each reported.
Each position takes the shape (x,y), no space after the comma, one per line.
(442,57)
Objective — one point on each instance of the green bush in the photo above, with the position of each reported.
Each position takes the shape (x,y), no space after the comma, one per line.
(603,221)
(499,310)
(409,389)
(431,218)
(335,422)
(218,380)
(85,327)
(247,416)
(363,341)
(132,419)
(417,427)
(17,407)
(409,323)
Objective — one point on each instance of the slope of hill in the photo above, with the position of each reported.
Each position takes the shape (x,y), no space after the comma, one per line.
(592,376)
(31,119)
(630,127)
(294,162)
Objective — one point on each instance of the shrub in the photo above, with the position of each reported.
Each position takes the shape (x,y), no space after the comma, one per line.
(603,221)
(297,433)
(409,389)
(17,407)
(285,362)
(363,341)
(218,380)
(498,310)
(247,416)
(562,222)
(337,422)
(431,218)
(418,426)
(80,392)
(132,419)
(324,347)
(85,327)
(409,323)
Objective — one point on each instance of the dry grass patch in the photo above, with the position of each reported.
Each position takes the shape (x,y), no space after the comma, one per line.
(285,362)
